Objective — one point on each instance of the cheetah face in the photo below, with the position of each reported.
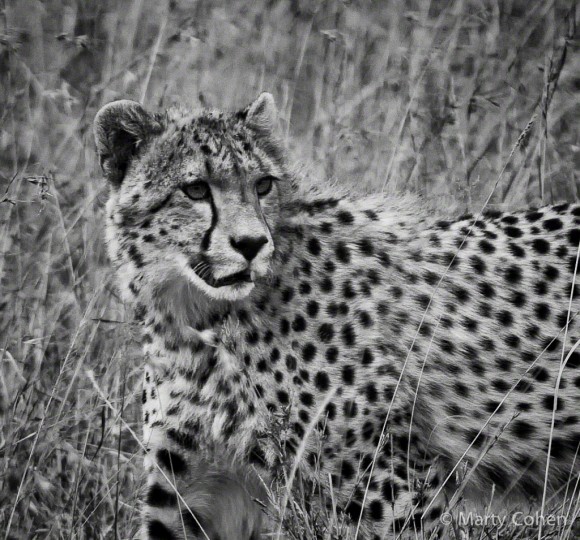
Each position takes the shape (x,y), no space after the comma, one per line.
(194,194)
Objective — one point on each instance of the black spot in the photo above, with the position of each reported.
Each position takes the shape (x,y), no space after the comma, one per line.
(501,385)
(305,288)
(434,240)
(160,498)
(503,364)
(284,327)
(541,246)
(313,246)
(252,337)
(348,335)
(447,346)
(512,341)
(299,324)
(347,470)
(390,490)
(461,294)
(331,355)
(553,224)
(491,406)
(523,429)
(561,208)
(563,447)
(573,362)
(329,266)
(365,319)
(426,329)
(291,362)
(331,411)
(561,252)
(171,461)
(505,317)
(157,531)
(516,251)
(510,219)
(518,299)
(353,510)
(384,259)
(257,456)
(423,301)
(186,440)
(477,264)
(312,308)
(470,324)
(345,217)
(308,352)
(397,292)
(513,232)
(371,392)
(326,332)
(306,399)
(492,213)
(431,278)
(326,285)
(367,357)
(282,396)
(326,227)
(376,510)
(461,389)
(342,253)
(542,311)
(322,381)
(486,289)
(540,373)
(574,237)
(534,216)
(348,374)
(373,276)
(513,274)
(348,290)
(486,246)
(365,246)
(541,288)
(287,294)
(135,255)
(450,259)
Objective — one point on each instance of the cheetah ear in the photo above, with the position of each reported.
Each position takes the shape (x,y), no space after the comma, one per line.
(262,114)
(120,128)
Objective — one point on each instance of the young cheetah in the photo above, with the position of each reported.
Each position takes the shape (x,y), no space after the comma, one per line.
(396,345)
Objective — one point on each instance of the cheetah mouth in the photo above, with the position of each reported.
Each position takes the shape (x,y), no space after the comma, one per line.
(244,276)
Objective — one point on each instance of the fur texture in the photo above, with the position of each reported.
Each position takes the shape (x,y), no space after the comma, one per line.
(438,337)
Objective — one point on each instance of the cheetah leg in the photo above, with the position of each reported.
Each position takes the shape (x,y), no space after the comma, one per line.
(399,501)
(190,496)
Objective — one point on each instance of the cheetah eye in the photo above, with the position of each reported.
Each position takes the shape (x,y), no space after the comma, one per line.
(264,185)
(198,191)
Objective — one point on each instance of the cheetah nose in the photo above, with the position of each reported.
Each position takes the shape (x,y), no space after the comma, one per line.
(248,246)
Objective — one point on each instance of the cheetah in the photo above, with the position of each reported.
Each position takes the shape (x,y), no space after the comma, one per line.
(285,320)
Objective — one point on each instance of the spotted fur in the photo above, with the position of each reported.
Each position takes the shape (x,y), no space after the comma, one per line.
(436,340)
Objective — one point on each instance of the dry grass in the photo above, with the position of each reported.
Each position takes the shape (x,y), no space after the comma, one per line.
(423,96)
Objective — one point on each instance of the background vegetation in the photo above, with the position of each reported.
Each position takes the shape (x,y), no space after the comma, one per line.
(423,96)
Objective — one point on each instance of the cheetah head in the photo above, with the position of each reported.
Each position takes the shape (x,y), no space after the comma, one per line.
(193,194)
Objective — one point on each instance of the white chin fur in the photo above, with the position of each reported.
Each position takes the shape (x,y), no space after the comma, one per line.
(227,292)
